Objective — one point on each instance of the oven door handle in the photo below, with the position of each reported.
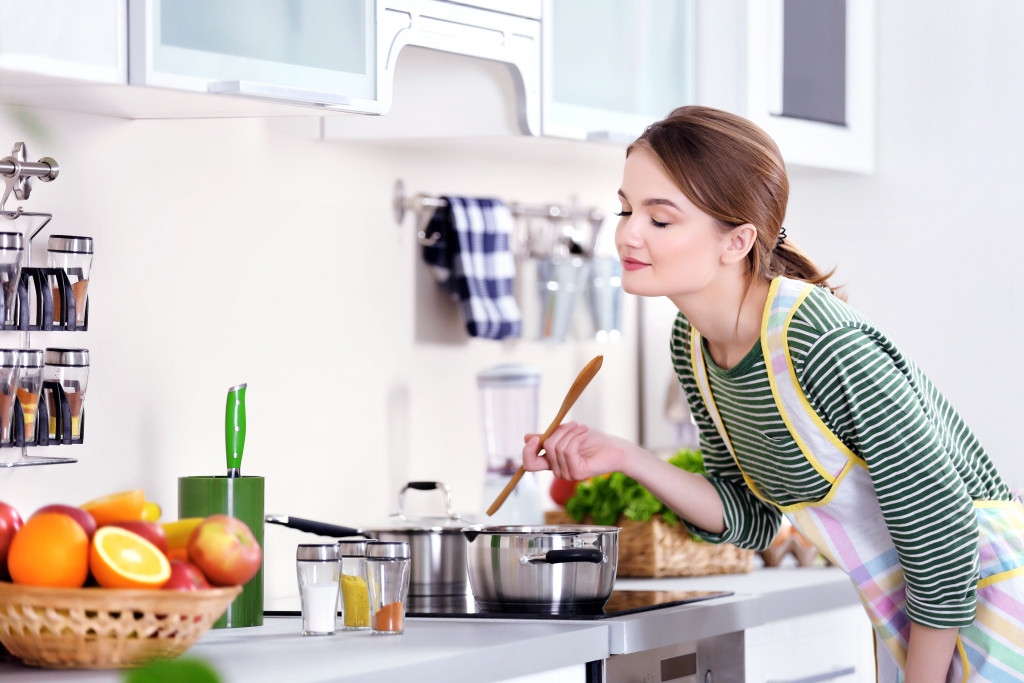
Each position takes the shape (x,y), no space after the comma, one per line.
(566,555)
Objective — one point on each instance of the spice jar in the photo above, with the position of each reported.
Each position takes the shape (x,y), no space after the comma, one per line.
(73,254)
(355,596)
(387,577)
(319,572)
(69,367)
(30,385)
(11,250)
(8,387)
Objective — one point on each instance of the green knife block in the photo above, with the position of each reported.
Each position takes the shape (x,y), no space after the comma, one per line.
(240,497)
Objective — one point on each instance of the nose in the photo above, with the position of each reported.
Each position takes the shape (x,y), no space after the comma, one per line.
(626,233)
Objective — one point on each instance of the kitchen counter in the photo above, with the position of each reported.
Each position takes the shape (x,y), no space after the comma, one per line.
(486,650)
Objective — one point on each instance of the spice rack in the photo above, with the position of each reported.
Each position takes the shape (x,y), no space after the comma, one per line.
(35,312)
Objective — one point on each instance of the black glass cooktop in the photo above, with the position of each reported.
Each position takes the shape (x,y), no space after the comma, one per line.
(620,603)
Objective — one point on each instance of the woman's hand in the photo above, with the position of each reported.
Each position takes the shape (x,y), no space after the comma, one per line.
(574,452)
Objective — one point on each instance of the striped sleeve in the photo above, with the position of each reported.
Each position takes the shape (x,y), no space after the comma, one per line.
(868,394)
(749,521)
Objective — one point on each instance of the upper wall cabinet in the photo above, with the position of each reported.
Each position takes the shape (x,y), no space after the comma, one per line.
(70,39)
(613,67)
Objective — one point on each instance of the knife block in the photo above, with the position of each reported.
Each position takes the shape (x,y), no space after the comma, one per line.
(240,497)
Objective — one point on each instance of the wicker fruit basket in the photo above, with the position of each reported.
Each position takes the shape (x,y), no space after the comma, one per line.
(656,549)
(99,628)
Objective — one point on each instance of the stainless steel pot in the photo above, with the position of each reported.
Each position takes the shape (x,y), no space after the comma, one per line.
(437,545)
(542,568)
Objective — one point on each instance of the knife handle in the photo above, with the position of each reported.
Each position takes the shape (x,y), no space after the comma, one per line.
(234,427)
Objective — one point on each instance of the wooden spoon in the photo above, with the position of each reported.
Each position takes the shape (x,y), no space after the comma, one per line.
(582,380)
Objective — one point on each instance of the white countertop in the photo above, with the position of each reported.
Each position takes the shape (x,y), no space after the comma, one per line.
(486,650)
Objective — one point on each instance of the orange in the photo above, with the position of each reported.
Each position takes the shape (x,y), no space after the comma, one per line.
(51,549)
(117,507)
(120,558)
(151,511)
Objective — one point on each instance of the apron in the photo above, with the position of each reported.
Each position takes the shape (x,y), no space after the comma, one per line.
(847,526)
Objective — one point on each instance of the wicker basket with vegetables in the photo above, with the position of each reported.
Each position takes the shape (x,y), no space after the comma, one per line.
(653,542)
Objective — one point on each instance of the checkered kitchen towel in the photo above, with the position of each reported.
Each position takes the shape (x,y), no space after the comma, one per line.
(472,261)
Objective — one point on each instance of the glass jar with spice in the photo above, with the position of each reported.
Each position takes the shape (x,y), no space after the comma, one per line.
(8,387)
(72,254)
(30,385)
(318,567)
(11,251)
(355,596)
(69,367)
(387,577)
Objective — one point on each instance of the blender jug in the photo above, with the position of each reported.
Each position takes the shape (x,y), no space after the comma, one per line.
(508,406)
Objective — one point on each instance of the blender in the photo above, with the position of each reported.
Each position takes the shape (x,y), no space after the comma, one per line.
(509,396)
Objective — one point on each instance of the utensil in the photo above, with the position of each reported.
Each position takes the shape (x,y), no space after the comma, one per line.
(581,382)
(234,429)
(543,568)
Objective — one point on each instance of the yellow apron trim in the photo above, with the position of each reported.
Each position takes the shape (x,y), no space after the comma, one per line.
(802,397)
(963,658)
(997,504)
(700,373)
(1001,576)
(833,489)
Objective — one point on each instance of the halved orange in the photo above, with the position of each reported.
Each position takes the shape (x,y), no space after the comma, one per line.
(117,507)
(119,558)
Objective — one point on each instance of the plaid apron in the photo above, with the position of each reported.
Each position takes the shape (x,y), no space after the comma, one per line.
(847,525)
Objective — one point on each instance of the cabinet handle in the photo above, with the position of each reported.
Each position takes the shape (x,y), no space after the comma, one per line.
(278,92)
(816,678)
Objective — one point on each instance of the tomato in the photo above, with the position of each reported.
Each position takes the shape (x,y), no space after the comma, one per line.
(10,522)
(562,490)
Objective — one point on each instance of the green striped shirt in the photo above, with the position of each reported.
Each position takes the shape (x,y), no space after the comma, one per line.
(926,465)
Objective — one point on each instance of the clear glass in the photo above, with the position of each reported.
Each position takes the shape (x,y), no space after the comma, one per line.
(10,273)
(388,581)
(9,371)
(30,385)
(319,582)
(78,267)
(508,407)
(355,594)
(75,381)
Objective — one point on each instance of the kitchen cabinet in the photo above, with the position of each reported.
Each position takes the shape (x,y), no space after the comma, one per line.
(522,8)
(835,645)
(611,67)
(73,39)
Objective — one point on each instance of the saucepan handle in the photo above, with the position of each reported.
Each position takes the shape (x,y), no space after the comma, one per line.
(313,527)
(565,555)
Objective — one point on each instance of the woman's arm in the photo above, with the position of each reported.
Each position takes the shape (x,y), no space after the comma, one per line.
(576,452)
(929,653)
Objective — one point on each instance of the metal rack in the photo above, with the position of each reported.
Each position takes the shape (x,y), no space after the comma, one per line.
(18,173)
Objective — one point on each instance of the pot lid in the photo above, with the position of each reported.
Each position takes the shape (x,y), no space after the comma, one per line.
(450,521)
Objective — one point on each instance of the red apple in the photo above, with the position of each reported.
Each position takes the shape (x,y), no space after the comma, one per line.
(10,522)
(83,518)
(185,576)
(151,531)
(225,550)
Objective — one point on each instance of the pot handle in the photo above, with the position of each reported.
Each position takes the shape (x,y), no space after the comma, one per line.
(428,486)
(313,527)
(566,555)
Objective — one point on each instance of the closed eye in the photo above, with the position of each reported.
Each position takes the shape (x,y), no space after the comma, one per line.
(624,213)
(658,224)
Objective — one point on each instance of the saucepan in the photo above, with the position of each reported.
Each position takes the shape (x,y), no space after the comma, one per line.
(437,547)
(554,568)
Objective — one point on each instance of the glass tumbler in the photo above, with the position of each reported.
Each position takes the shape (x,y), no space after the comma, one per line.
(30,385)
(387,577)
(319,572)
(355,596)
(9,369)
(70,367)
(73,254)
(11,251)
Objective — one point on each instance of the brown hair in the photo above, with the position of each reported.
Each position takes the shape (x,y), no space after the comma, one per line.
(733,171)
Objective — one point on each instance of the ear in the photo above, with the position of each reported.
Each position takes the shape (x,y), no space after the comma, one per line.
(739,241)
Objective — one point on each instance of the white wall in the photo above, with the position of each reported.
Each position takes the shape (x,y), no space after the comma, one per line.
(246,250)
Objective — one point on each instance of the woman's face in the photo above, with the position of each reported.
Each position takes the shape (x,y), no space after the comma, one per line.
(668,247)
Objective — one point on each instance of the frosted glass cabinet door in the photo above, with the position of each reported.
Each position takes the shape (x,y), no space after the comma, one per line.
(613,67)
(306,51)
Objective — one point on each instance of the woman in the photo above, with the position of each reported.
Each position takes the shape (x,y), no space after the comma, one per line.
(806,408)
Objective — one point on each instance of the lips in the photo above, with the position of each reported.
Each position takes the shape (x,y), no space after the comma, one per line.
(633,264)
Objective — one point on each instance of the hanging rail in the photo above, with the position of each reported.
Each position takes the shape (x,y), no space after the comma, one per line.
(418,204)
(18,172)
